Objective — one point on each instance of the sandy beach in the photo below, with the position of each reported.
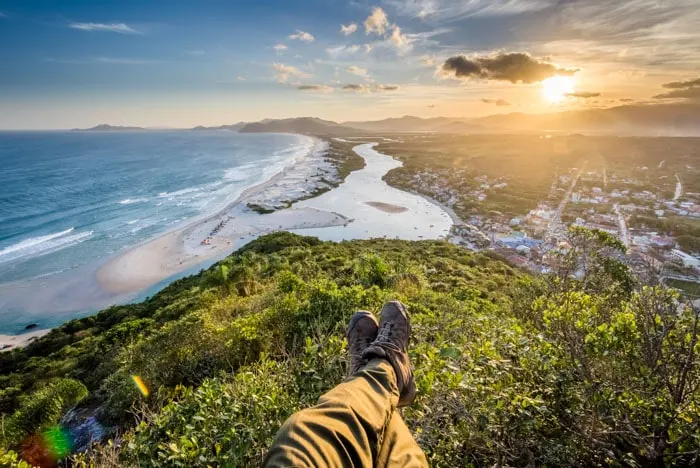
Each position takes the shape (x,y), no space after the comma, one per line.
(394,213)
(8,342)
(231,228)
(364,206)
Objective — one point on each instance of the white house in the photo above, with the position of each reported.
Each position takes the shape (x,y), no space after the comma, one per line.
(688,260)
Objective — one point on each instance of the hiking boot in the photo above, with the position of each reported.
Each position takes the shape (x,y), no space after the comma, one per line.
(362,330)
(392,344)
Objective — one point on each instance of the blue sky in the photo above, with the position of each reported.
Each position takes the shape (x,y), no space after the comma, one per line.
(183,63)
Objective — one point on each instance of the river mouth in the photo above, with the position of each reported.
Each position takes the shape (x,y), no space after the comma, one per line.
(377,209)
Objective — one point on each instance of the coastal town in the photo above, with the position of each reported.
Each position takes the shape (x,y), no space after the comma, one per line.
(657,223)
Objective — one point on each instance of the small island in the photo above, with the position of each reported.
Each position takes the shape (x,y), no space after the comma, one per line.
(108,128)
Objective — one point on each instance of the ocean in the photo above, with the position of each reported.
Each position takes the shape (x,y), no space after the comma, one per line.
(72,199)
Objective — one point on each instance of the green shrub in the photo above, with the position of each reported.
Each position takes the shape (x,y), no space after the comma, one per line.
(41,409)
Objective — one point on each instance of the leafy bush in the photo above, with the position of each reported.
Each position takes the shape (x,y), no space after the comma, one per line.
(579,368)
(41,409)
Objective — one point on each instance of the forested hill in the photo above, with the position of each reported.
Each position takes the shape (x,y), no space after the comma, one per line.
(512,370)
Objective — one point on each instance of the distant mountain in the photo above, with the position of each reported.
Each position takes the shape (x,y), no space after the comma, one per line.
(680,119)
(233,127)
(107,128)
(677,119)
(304,125)
(407,123)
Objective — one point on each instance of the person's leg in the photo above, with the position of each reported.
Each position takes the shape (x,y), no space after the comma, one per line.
(399,447)
(345,428)
(348,427)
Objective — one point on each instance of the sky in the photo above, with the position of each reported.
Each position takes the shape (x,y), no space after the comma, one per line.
(181,63)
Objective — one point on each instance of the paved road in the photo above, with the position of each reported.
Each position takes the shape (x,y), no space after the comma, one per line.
(679,188)
(622,224)
(555,228)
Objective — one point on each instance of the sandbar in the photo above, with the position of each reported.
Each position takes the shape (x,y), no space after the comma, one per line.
(387,207)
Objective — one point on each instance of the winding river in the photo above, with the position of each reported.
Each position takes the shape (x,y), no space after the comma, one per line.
(377,209)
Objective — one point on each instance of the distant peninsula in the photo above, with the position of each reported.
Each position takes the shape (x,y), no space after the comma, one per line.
(234,127)
(303,125)
(108,128)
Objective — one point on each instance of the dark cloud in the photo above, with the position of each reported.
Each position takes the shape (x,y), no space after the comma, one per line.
(354,87)
(626,99)
(682,84)
(498,102)
(368,89)
(681,90)
(320,88)
(515,67)
(687,93)
(583,94)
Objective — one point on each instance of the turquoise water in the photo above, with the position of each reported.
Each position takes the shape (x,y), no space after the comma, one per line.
(70,199)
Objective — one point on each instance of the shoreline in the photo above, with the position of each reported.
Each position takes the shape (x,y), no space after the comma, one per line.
(218,234)
(10,342)
(347,211)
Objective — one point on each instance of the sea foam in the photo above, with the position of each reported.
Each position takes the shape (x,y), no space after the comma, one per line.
(42,245)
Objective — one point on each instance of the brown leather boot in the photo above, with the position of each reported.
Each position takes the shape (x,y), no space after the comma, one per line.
(362,330)
(392,344)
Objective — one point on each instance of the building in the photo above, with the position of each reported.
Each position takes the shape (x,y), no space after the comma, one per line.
(686,259)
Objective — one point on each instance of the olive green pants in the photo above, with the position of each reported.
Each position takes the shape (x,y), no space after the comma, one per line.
(354,424)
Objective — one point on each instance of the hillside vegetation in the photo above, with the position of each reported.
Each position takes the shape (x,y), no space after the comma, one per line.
(511,370)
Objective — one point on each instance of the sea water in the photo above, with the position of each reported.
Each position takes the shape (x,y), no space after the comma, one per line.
(69,199)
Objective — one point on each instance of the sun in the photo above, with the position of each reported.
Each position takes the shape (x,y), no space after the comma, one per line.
(556,88)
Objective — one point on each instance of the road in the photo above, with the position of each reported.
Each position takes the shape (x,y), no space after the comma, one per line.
(624,232)
(555,228)
(679,188)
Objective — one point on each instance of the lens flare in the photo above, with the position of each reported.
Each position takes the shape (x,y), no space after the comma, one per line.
(140,385)
(58,440)
(47,447)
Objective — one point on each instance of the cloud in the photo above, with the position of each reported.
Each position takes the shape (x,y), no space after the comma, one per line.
(681,90)
(2,15)
(459,9)
(357,70)
(363,88)
(302,36)
(315,88)
(682,84)
(498,102)
(342,50)
(377,22)
(626,99)
(279,48)
(240,78)
(427,61)
(582,94)
(285,71)
(398,39)
(515,67)
(688,93)
(120,28)
(104,60)
(349,29)
(123,61)
(360,88)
